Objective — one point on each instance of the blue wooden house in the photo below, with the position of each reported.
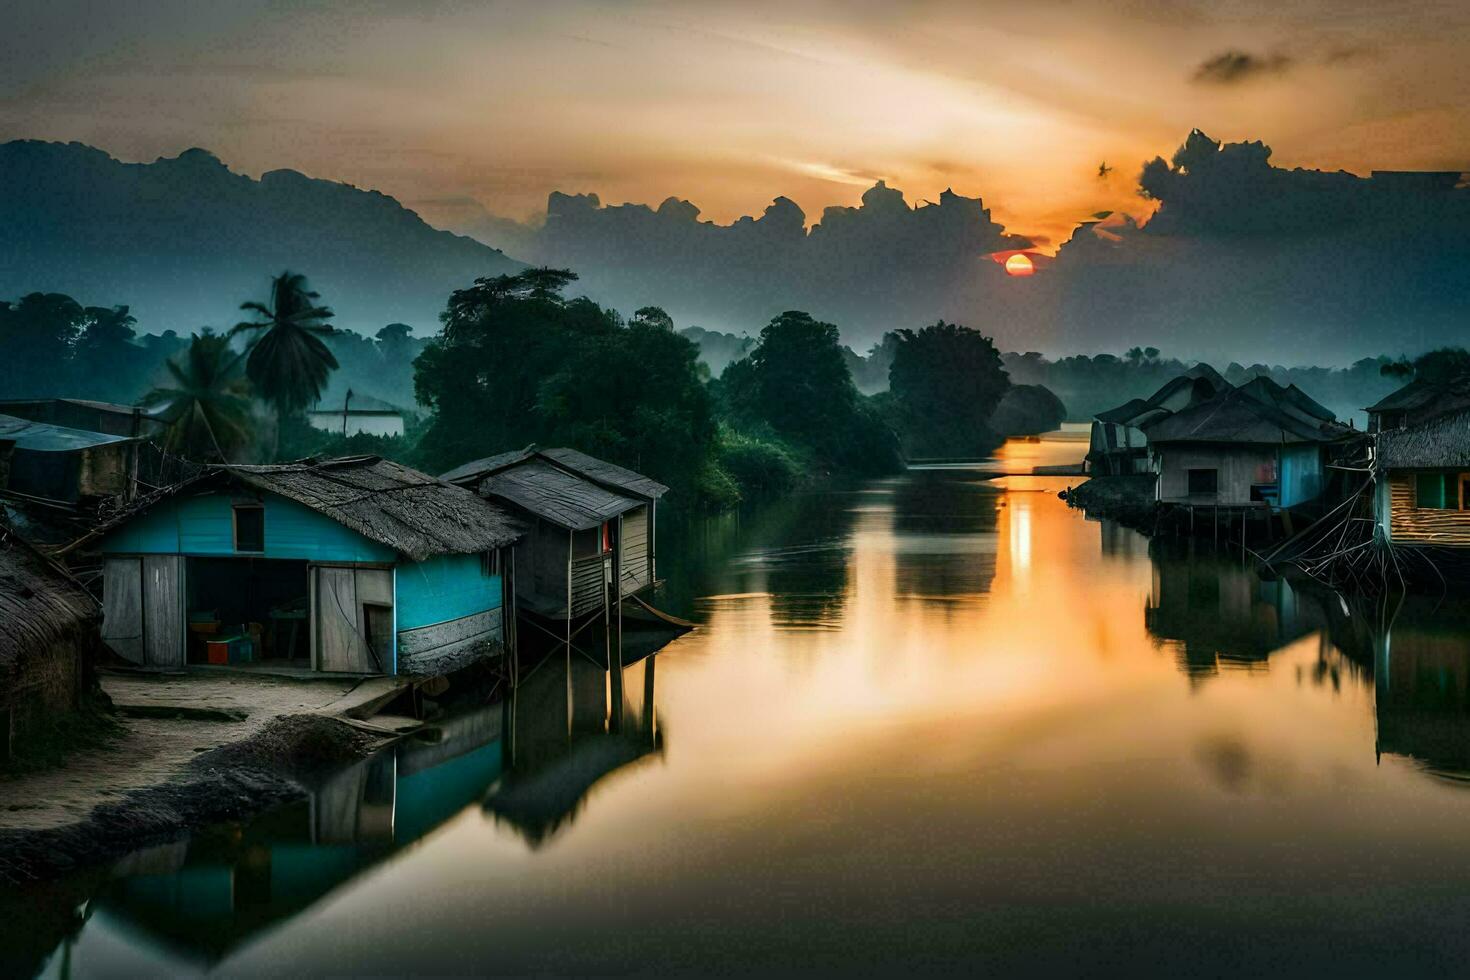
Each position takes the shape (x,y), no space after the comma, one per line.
(354,565)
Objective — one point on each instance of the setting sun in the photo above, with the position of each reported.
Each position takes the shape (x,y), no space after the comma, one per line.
(1020,264)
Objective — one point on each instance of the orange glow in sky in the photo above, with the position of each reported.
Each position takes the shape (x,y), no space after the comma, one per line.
(1020,264)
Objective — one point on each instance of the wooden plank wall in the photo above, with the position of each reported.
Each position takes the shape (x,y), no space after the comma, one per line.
(635,550)
(1410,524)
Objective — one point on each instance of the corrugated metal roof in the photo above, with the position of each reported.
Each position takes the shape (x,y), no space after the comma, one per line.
(605,473)
(553,494)
(478,468)
(44,438)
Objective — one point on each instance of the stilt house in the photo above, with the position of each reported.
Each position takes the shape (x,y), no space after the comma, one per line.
(1118,444)
(355,565)
(1423,482)
(586,517)
(1254,446)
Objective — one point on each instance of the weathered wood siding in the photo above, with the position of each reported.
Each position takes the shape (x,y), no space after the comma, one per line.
(1411,524)
(636,571)
(163,611)
(341,624)
(589,582)
(122,607)
(1237,468)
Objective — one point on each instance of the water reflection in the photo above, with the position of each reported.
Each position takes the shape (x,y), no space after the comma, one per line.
(1423,686)
(939,721)
(1218,613)
(530,761)
(568,726)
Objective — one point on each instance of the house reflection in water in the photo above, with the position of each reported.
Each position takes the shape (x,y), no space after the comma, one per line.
(1422,681)
(568,726)
(531,760)
(1220,613)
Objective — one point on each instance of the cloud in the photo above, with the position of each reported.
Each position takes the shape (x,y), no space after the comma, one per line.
(1234,67)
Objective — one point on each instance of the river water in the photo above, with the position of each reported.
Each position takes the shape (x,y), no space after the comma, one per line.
(926,723)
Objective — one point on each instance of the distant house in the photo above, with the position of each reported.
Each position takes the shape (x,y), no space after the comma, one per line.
(357,415)
(1423,485)
(583,512)
(64,465)
(1118,444)
(1417,402)
(1257,445)
(48,632)
(353,565)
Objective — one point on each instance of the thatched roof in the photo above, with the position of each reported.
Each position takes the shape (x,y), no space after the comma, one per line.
(1441,442)
(408,511)
(1420,400)
(39,602)
(1247,416)
(551,493)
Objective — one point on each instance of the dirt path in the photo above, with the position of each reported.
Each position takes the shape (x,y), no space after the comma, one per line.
(159,749)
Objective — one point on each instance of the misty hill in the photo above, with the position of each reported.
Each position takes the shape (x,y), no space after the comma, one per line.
(184,240)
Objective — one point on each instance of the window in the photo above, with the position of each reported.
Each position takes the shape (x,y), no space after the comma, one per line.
(249,528)
(1204,482)
(490,563)
(1433,492)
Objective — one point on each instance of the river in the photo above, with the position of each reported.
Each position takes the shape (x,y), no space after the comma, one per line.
(926,723)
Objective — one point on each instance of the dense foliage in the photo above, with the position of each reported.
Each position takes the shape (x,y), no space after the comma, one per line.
(518,363)
(796,386)
(945,382)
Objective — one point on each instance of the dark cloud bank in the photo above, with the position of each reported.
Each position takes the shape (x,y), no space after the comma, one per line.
(1243,261)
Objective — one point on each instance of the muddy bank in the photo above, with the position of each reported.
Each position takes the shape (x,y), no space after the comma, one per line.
(1129,500)
(275,764)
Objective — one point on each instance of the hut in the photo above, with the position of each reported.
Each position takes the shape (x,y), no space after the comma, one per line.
(1257,446)
(48,632)
(61,465)
(357,415)
(1422,487)
(1118,445)
(591,524)
(355,565)
(1417,402)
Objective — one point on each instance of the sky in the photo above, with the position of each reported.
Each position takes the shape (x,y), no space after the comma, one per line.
(456,106)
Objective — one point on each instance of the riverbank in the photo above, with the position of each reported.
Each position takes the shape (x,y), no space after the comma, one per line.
(190,750)
(1129,500)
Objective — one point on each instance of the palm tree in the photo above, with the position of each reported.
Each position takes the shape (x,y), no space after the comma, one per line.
(208,406)
(288,362)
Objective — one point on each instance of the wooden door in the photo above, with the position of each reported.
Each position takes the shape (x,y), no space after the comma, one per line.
(122,607)
(351,607)
(163,611)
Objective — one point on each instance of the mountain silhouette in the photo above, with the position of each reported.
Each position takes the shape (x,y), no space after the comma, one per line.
(182,241)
